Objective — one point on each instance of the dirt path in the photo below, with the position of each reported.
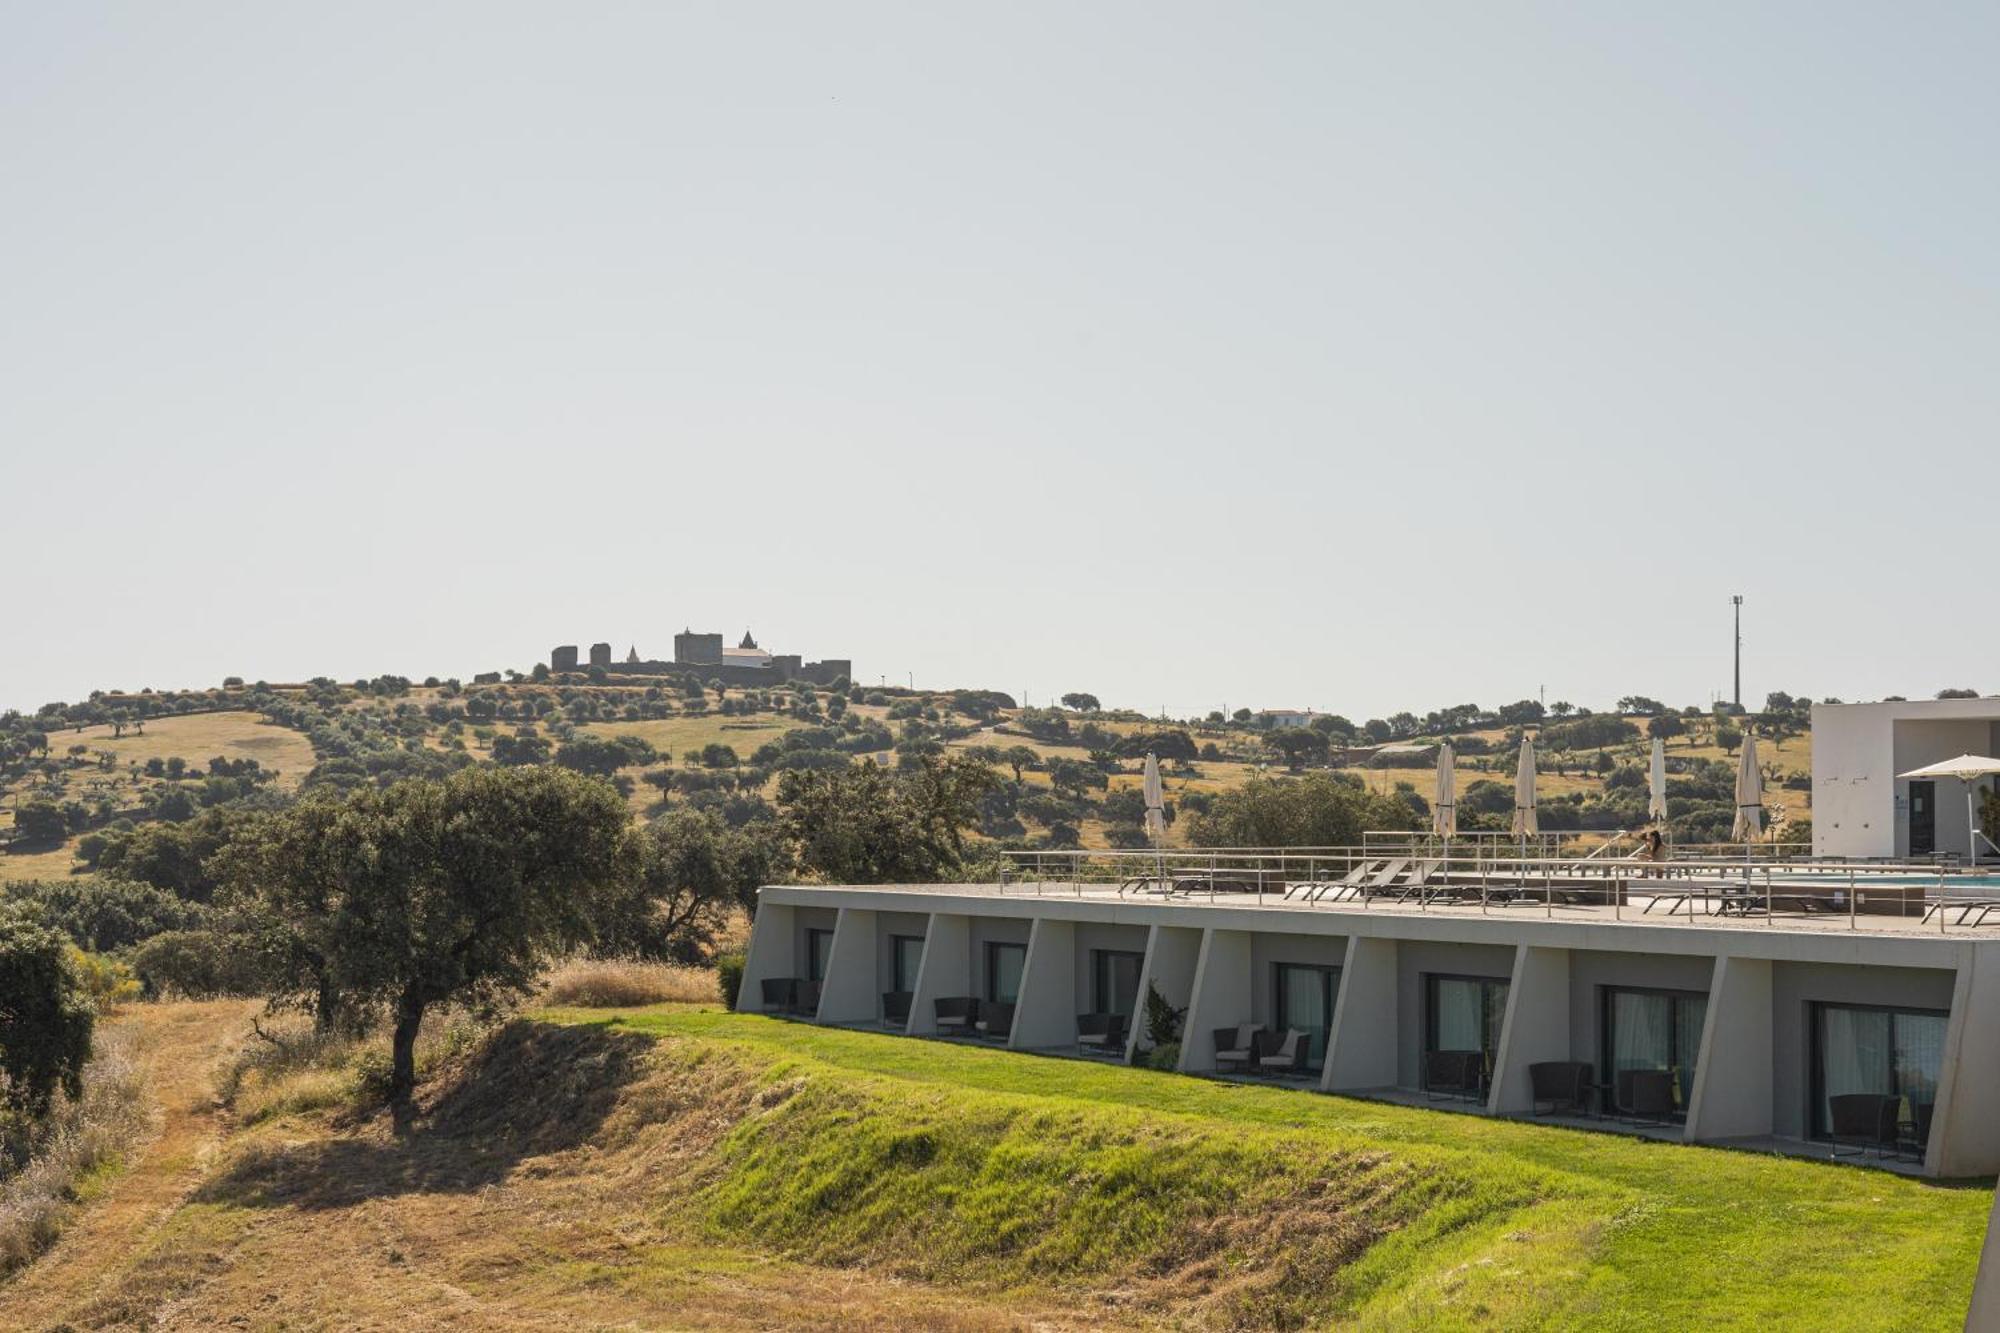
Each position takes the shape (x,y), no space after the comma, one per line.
(178,1045)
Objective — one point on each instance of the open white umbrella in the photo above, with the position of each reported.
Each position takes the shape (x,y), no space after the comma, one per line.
(1656,783)
(1968,769)
(1444,809)
(1749,824)
(1525,825)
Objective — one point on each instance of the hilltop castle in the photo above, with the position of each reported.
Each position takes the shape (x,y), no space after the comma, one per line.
(703,655)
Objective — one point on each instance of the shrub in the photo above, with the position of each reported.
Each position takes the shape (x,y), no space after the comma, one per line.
(105,980)
(201,965)
(729,975)
(104,914)
(1167,1057)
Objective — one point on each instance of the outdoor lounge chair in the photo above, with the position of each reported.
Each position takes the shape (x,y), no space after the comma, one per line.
(780,994)
(896,1006)
(1454,1074)
(1383,880)
(805,1000)
(1560,1083)
(1337,889)
(1236,1047)
(1289,1056)
(1862,1121)
(955,1014)
(1643,1096)
(1101,1034)
(995,1021)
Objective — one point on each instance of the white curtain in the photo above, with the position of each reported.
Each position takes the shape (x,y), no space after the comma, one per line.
(1919,1054)
(1458,1016)
(1854,1052)
(1642,1031)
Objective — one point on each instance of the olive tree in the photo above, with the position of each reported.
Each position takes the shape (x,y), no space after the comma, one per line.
(434,892)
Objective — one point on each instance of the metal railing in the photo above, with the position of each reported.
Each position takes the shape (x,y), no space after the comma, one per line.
(1729,887)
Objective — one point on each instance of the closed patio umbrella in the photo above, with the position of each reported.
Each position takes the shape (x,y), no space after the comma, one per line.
(1749,824)
(1656,799)
(1525,825)
(1156,813)
(1444,809)
(1968,769)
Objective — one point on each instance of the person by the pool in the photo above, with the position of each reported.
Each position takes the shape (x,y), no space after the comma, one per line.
(1652,847)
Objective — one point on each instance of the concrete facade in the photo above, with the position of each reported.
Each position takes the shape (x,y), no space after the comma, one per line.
(1753,1076)
(1861,808)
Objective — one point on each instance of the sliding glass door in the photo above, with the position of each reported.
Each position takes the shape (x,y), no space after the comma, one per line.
(1654,1030)
(1114,981)
(1003,971)
(1305,1001)
(819,951)
(1891,1052)
(1464,1014)
(906,955)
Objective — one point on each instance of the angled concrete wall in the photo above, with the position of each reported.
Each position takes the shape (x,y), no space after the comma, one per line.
(945,971)
(1362,1050)
(1965,1128)
(773,952)
(1045,1014)
(848,993)
(1734,1092)
(1535,1027)
(1171,955)
(1221,995)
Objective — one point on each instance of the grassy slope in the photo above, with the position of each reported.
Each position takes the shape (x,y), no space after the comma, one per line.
(955,1164)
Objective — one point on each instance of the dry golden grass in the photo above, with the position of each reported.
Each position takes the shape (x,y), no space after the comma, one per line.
(629,985)
(197,739)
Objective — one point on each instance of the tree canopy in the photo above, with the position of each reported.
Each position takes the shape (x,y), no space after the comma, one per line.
(1317,810)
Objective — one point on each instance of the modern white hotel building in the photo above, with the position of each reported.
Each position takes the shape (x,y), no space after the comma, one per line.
(1862,808)
(1755,1025)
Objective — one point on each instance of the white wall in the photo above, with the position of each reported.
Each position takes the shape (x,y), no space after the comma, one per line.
(1858,802)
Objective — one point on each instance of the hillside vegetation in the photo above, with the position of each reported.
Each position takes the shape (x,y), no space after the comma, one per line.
(673,1167)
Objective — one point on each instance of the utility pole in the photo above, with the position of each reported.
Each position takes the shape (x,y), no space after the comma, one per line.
(1737,602)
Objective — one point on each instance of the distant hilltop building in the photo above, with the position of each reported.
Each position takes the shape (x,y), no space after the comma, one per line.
(705,656)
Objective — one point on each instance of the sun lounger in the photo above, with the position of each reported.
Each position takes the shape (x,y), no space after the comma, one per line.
(1382,880)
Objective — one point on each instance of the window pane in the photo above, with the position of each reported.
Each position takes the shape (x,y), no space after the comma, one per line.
(1919,1052)
(1853,1055)
(1003,982)
(1305,1002)
(821,944)
(909,957)
(1641,1031)
(1115,981)
(1691,1011)
(1460,1017)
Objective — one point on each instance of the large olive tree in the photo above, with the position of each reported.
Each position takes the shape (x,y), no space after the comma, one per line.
(434,892)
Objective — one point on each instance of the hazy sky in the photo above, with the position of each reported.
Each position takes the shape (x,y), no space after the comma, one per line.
(1358,358)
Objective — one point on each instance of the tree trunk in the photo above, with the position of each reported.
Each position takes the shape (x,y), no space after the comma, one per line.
(403,1064)
(326,1007)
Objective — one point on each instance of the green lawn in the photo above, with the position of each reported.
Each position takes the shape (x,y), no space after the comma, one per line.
(1233,1204)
